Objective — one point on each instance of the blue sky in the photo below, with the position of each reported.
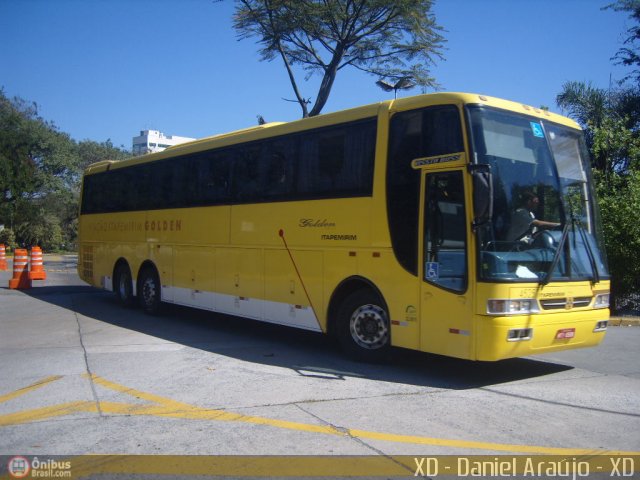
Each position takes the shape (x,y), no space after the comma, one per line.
(106,69)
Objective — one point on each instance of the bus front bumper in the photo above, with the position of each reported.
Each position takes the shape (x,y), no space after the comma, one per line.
(522,335)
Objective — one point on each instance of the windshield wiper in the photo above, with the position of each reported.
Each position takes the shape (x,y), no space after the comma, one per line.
(556,256)
(563,239)
(592,258)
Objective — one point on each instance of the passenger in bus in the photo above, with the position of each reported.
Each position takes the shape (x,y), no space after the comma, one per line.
(524,223)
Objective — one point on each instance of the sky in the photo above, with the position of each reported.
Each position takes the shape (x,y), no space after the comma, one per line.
(107,69)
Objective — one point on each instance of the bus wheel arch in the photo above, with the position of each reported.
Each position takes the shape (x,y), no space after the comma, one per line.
(359,317)
(123,283)
(149,288)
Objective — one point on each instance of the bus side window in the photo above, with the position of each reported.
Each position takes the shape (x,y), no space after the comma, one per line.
(310,182)
(415,134)
(360,151)
(116,194)
(337,162)
(211,173)
(247,174)
(403,187)
(331,157)
(445,250)
(221,177)
(279,156)
(168,186)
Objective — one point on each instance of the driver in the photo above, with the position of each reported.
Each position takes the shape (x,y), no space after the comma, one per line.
(524,222)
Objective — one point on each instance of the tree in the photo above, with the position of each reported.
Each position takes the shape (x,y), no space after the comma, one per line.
(24,140)
(37,226)
(40,173)
(628,55)
(619,201)
(387,38)
(8,238)
(610,121)
(613,115)
(35,159)
(90,152)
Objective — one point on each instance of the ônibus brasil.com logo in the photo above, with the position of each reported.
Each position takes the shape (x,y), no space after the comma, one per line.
(19,467)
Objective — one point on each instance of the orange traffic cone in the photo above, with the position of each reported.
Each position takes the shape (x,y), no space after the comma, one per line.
(20,278)
(3,258)
(36,272)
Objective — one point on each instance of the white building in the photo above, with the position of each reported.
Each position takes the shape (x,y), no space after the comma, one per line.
(154,141)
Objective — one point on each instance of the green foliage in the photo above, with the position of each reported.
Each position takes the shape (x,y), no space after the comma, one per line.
(584,102)
(611,120)
(34,156)
(8,238)
(618,190)
(619,200)
(612,129)
(40,173)
(38,227)
(615,146)
(613,116)
(628,55)
(89,152)
(388,39)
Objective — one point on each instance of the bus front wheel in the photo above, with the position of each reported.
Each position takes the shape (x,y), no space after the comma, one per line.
(363,327)
(149,291)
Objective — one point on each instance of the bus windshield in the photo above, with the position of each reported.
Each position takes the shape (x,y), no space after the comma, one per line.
(545,222)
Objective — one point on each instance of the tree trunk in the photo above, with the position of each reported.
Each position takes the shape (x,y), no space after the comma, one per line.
(327,81)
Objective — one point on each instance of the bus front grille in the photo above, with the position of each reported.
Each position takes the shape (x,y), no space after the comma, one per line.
(565,303)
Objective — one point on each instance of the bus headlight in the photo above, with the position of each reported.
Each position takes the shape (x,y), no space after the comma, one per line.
(512,306)
(602,300)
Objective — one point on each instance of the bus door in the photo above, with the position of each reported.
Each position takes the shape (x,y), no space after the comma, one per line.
(446,304)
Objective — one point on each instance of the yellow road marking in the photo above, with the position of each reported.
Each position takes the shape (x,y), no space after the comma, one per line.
(502,447)
(36,414)
(176,409)
(30,388)
(166,407)
(136,393)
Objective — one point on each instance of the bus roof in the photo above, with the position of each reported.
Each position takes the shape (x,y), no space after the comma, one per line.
(279,128)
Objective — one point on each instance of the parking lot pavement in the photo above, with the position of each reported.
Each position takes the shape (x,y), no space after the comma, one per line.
(81,375)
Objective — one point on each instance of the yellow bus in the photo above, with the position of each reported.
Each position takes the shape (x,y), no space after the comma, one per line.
(451,223)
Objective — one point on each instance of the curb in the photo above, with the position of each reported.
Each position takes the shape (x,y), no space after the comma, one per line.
(624,322)
(59,257)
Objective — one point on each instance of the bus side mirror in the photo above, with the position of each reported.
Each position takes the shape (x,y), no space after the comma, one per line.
(482,180)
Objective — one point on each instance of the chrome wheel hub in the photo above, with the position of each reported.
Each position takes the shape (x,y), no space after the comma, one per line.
(369,327)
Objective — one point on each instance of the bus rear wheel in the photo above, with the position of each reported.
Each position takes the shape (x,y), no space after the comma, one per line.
(149,291)
(363,327)
(123,285)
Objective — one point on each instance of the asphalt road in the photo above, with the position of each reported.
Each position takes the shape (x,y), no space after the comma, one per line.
(81,375)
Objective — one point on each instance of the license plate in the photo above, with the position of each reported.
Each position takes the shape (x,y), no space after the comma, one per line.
(565,333)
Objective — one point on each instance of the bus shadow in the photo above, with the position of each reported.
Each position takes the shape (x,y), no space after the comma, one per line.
(307,353)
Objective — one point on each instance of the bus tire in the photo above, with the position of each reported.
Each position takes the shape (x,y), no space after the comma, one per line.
(149,291)
(363,328)
(123,285)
